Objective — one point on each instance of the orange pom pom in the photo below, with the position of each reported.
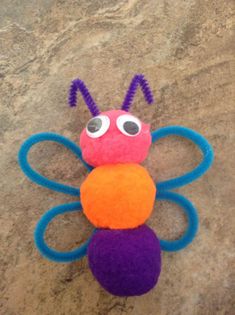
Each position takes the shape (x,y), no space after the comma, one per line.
(119,196)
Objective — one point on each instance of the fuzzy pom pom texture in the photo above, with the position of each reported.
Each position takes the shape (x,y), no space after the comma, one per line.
(126,205)
(115,146)
(118,195)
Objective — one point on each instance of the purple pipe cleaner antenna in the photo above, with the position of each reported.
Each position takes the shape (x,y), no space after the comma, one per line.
(138,79)
(76,85)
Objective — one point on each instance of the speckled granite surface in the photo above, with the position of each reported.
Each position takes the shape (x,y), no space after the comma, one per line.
(186,50)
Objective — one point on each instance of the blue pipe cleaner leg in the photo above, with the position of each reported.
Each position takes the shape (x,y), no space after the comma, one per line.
(197,139)
(192,217)
(40,230)
(37,177)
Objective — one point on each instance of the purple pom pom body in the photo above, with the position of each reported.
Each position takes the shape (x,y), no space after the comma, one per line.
(125,262)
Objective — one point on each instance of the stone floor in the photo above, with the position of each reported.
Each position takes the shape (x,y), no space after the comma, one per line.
(186,50)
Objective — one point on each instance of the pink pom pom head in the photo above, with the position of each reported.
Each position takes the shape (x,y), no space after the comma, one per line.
(113,137)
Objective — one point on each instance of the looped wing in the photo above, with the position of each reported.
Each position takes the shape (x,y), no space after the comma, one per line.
(192,217)
(37,177)
(40,230)
(197,139)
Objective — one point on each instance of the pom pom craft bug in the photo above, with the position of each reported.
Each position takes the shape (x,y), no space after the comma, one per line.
(118,195)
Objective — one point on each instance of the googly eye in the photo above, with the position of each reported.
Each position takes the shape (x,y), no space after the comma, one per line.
(97,126)
(129,125)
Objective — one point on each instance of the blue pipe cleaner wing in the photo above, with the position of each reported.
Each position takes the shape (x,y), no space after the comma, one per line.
(197,139)
(192,218)
(37,177)
(40,230)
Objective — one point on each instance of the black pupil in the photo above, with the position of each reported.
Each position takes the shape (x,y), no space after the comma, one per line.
(94,125)
(131,127)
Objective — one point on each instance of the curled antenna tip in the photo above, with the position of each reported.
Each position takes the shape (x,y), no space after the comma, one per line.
(138,79)
(76,85)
